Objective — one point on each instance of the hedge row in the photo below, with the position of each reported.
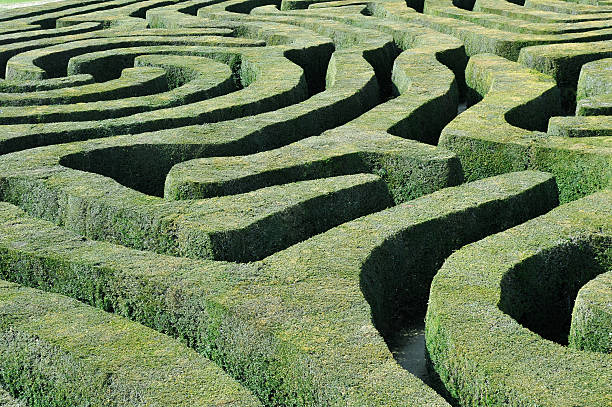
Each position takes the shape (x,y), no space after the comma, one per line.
(309,50)
(592,96)
(409,168)
(47,16)
(582,126)
(405,115)
(133,82)
(54,61)
(594,92)
(420,45)
(513,18)
(493,302)
(258,71)
(32,33)
(177,15)
(498,134)
(139,227)
(128,16)
(214,79)
(592,316)
(55,351)
(545,12)
(295,327)
(564,61)
(85,31)
(300,326)
(424,89)
(356,146)
(242,228)
(556,6)
(135,232)
(489,33)
(413,106)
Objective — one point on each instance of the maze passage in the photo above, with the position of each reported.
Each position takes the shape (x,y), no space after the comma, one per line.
(246,202)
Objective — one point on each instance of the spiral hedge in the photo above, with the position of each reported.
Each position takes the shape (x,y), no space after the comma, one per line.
(243,202)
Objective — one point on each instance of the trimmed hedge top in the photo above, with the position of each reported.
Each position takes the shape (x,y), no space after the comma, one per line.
(270,323)
(489,298)
(56,351)
(275,184)
(592,316)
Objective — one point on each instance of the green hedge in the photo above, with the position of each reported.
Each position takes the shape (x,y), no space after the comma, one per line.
(493,302)
(55,351)
(16,87)
(302,46)
(418,95)
(567,7)
(591,326)
(295,327)
(594,93)
(46,16)
(31,33)
(595,78)
(213,79)
(421,82)
(409,168)
(424,88)
(126,16)
(582,126)
(133,82)
(503,29)
(6,400)
(499,133)
(356,146)
(26,41)
(306,148)
(564,61)
(595,105)
(258,96)
(242,227)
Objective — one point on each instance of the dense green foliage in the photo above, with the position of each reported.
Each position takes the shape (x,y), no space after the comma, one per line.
(513,295)
(245,202)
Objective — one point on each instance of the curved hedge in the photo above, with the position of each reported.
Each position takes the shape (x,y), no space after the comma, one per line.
(276,184)
(271,322)
(56,351)
(492,301)
(592,316)
(501,133)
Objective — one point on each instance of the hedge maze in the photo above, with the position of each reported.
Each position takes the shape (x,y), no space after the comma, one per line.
(250,202)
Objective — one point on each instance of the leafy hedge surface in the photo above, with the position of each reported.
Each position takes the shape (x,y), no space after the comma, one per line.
(276,183)
(499,133)
(55,351)
(594,94)
(491,299)
(425,86)
(270,323)
(241,227)
(502,28)
(258,96)
(6,400)
(592,316)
